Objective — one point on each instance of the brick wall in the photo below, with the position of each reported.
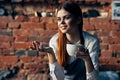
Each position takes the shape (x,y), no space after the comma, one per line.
(17,34)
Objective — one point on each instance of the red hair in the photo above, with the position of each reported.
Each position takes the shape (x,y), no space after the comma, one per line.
(62,55)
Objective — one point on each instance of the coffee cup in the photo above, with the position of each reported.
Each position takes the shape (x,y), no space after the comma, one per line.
(72,48)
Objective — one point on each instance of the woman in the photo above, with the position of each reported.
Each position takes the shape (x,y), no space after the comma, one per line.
(84,64)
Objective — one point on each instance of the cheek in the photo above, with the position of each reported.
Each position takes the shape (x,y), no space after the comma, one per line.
(58,24)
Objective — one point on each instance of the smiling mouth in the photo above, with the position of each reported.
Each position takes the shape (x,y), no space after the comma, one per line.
(63,27)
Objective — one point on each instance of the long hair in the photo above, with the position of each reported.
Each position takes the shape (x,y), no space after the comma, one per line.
(62,55)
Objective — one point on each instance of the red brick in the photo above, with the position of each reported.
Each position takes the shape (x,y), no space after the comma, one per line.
(3,67)
(3,25)
(19,18)
(23,32)
(103,60)
(21,38)
(99,20)
(103,33)
(25,25)
(54,20)
(111,40)
(107,26)
(114,47)
(90,1)
(26,59)
(9,59)
(9,51)
(21,45)
(105,40)
(18,32)
(115,33)
(40,60)
(51,26)
(47,20)
(14,25)
(109,1)
(86,21)
(36,67)
(34,19)
(106,54)
(1,51)
(115,21)
(89,27)
(6,38)
(32,25)
(6,18)
(104,46)
(114,40)
(5,45)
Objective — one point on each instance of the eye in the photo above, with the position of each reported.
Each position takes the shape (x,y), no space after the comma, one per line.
(68,17)
(58,19)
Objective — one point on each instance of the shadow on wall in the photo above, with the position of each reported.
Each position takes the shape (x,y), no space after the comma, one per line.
(91,13)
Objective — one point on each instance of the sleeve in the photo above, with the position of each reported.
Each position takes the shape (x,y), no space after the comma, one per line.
(94,50)
(56,72)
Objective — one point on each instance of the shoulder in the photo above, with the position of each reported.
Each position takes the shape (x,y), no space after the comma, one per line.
(54,37)
(53,40)
(89,37)
(91,41)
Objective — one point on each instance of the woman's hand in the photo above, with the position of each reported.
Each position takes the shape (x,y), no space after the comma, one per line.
(82,53)
(36,46)
(39,46)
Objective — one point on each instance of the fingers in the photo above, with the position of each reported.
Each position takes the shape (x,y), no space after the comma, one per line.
(82,52)
(82,49)
(35,45)
(39,46)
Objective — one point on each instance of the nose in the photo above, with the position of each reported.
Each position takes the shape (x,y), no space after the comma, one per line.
(62,21)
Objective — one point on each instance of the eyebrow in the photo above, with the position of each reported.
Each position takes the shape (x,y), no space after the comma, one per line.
(66,15)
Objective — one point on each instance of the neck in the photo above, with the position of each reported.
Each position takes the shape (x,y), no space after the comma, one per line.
(74,37)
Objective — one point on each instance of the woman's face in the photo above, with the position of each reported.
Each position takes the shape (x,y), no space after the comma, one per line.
(67,22)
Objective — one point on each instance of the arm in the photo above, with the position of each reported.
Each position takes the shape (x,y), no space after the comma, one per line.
(90,58)
(92,61)
(56,71)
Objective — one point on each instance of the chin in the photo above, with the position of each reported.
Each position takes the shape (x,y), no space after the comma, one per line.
(64,32)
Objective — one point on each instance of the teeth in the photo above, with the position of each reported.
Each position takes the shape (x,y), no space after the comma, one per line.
(63,27)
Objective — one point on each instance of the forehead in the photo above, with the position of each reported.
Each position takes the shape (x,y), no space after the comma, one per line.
(62,12)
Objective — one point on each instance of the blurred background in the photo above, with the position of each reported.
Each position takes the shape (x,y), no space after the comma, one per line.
(24,21)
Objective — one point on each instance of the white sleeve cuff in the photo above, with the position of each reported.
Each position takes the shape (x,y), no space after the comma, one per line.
(92,75)
(52,66)
(56,71)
